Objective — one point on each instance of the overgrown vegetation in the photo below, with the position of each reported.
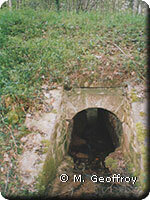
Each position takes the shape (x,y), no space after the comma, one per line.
(60,49)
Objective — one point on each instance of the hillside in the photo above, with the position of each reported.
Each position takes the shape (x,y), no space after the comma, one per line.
(88,49)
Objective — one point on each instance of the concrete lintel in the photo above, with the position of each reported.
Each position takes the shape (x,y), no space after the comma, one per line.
(80,99)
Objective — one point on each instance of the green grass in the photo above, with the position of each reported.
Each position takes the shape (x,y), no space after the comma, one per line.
(41,47)
(53,46)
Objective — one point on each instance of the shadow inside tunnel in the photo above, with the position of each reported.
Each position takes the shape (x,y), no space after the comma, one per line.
(93,136)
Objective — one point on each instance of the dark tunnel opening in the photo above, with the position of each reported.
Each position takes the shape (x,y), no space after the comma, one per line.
(94,136)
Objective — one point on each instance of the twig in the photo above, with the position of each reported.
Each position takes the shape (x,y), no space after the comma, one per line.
(13,139)
(109,188)
(10,132)
(6,185)
(140,74)
(120,49)
(72,191)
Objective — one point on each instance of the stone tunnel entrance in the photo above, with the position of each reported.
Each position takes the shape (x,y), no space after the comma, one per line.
(86,140)
(96,132)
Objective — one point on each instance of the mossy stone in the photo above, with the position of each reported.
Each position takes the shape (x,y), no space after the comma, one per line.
(111,164)
(134,96)
(49,171)
(141,132)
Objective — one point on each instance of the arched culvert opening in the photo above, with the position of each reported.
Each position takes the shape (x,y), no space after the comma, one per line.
(96,132)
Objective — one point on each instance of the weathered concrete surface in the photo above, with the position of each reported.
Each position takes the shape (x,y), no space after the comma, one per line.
(111,99)
(42,127)
(135,138)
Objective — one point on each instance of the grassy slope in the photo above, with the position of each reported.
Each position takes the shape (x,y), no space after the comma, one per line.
(57,45)
(85,49)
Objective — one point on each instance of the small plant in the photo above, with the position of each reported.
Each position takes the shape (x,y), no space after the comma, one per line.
(141,132)
(111,164)
(134,96)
